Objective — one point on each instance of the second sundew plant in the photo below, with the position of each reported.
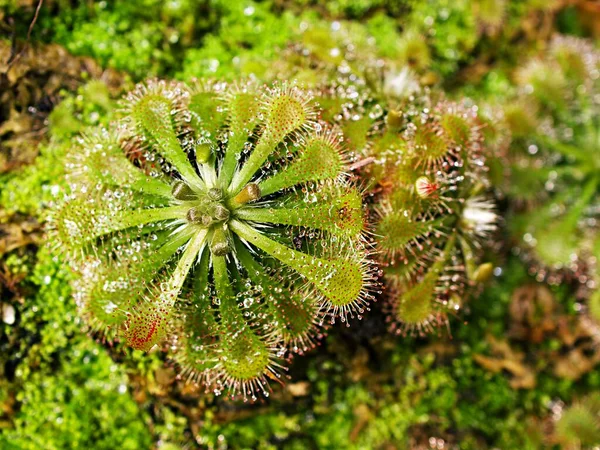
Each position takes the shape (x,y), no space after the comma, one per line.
(555,154)
(216,220)
(433,210)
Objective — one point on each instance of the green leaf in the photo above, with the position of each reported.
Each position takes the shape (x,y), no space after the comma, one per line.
(319,159)
(244,107)
(100,159)
(149,321)
(401,233)
(294,315)
(341,281)
(334,209)
(287,110)
(245,356)
(153,112)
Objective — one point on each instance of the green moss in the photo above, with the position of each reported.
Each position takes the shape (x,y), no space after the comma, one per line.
(450,29)
(143,37)
(82,403)
(249,34)
(68,391)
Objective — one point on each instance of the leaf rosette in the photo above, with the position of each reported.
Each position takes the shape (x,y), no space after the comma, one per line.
(217,219)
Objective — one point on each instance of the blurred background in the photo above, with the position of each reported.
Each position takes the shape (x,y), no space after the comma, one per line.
(518,366)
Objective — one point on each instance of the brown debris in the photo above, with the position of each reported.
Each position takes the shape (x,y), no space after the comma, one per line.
(363,416)
(30,87)
(536,317)
(299,389)
(589,15)
(359,369)
(16,234)
(505,358)
(532,311)
(581,351)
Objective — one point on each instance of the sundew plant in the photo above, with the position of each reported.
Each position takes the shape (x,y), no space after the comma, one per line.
(216,220)
(433,210)
(556,158)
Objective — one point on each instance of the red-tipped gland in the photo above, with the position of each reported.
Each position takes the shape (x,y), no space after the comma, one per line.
(425,187)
